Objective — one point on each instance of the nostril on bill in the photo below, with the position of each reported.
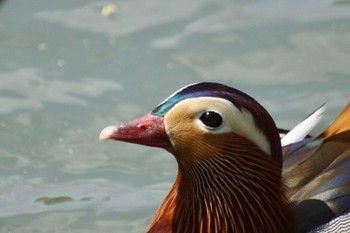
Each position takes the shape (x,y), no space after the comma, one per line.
(143,126)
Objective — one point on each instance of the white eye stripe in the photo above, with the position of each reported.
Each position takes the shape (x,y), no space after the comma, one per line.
(242,123)
(238,121)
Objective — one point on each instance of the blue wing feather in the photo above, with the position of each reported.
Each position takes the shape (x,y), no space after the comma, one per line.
(318,171)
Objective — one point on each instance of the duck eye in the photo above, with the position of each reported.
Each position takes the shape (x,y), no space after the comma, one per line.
(211,119)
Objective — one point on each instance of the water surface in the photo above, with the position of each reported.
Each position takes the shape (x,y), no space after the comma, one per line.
(68,70)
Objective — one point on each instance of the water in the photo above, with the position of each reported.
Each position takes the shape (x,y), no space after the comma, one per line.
(67,71)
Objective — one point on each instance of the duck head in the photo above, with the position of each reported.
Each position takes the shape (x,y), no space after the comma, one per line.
(199,113)
(229,157)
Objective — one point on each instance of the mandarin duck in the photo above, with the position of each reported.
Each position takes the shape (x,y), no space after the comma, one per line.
(233,175)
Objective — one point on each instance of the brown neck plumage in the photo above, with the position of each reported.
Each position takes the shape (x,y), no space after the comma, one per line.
(234,189)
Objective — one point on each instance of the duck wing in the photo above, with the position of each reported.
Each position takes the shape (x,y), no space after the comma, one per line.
(317,175)
(301,131)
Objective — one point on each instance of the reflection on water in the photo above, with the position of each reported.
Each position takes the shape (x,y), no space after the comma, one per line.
(26,88)
(301,61)
(132,16)
(68,70)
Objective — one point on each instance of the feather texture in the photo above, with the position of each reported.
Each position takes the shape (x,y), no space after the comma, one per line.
(234,176)
(300,131)
(318,170)
(225,192)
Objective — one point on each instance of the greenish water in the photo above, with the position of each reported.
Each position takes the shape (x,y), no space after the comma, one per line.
(67,71)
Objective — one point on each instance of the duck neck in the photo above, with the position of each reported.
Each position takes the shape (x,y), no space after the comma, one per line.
(225,194)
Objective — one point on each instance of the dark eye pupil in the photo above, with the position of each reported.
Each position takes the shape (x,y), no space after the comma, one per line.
(211,119)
